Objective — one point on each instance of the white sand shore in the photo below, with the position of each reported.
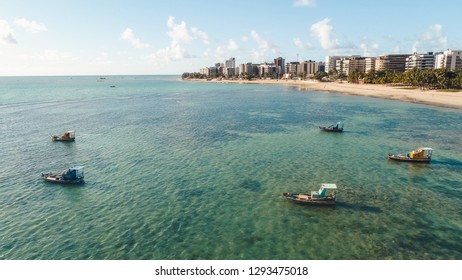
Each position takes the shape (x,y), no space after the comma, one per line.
(430,97)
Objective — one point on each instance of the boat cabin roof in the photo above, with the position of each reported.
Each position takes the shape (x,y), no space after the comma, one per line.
(427,149)
(77,167)
(329,186)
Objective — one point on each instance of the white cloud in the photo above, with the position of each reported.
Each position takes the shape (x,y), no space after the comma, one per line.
(166,55)
(396,49)
(7,34)
(431,40)
(179,33)
(369,50)
(102,59)
(57,56)
(304,3)
(206,53)
(301,45)
(129,36)
(258,55)
(263,47)
(262,43)
(201,34)
(219,54)
(30,26)
(232,45)
(323,31)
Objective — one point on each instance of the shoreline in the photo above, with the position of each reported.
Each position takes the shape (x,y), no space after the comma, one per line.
(451,100)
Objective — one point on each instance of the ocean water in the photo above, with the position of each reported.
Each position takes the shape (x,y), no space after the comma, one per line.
(183,170)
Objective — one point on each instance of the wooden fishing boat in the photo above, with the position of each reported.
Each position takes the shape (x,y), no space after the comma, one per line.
(421,155)
(67,136)
(324,196)
(338,127)
(73,175)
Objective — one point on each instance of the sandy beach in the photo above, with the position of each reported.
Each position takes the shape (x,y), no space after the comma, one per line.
(430,97)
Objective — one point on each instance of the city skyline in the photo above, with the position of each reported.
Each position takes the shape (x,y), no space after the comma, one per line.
(116,37)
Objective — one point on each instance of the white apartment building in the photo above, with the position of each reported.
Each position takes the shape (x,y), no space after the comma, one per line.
(451,60)
(420,61)
(370,64)
(230,63)
(331,62)
(347,65)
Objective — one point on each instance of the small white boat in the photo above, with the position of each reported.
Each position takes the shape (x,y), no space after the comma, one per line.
(67,136)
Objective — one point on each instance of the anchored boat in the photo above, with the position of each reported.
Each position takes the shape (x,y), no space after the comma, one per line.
(73,175)
(67,136)
(422,155)
(324,196)
(338,127)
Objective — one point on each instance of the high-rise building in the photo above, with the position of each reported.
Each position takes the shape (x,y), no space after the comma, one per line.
(293,68)
(349,64)
(331,62)
(392,62)
(370,64)
(451,60)
(309,68)
(421,61)
(230,63)
(281,62)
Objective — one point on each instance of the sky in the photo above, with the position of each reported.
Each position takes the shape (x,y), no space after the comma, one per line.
(114,37)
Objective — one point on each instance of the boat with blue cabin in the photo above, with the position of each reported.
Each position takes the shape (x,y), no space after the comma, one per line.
(72,175)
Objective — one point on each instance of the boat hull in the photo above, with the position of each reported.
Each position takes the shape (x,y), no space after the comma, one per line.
(56,178)
(57,138)
(306,199)
(408,159)
(330,129)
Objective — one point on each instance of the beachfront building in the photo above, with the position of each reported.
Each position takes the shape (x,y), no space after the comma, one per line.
(293,69)
(230,63)
(267,70)
(229,69)
(392,62)
(451,60)
(370,64)
(309,68)
(347,65)
(420,61)
(331,62)
(280,62)
(229,72)
(209,72)
(241,69)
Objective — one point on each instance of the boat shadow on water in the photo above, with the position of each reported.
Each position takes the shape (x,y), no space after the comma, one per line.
(357,207)
(447,161)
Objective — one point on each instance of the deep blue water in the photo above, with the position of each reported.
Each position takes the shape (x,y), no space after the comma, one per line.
(184,170)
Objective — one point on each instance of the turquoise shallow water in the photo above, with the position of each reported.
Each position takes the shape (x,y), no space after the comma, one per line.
(180,170)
